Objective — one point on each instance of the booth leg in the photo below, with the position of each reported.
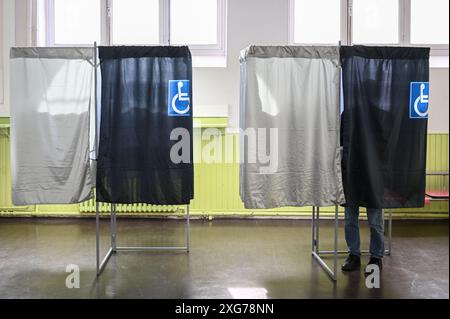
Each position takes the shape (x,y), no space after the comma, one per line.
(188,227)
(97,239)
(389,249)
(332,273)
(100,265)
(336,239)
(317,229)
(313,229)
(113,228)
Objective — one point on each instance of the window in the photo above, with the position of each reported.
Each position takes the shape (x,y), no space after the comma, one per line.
(371,22)
(313,24)
(375,22)
(135,22)
(201,24)
(429,23)
(74,22)
(193,22)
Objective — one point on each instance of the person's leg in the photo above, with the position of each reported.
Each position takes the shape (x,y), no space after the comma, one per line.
(353,261)
(376,223)
(352,230)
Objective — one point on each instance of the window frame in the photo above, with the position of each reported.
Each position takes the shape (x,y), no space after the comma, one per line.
(107,16)
(346,15)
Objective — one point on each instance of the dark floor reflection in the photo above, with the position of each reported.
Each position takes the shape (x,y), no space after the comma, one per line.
(228,258)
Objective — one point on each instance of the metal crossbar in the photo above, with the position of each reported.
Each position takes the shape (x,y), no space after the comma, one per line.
(114,248)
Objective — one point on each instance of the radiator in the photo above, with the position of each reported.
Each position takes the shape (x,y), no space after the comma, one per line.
(216,186)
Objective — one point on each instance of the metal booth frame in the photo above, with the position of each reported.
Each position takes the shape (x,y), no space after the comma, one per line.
(319,255)
(114,247)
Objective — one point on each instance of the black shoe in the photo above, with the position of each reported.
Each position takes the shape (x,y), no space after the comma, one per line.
(374,261)
(352,263)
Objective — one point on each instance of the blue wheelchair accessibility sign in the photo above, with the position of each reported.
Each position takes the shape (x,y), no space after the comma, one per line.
(418,103)
(179,99)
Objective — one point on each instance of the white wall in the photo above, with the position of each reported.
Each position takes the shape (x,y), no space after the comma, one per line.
(1,53)
(263,22)
(439,103)
(7,13)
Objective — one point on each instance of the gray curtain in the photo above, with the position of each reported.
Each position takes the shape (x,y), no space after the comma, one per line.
(292,92)
(51,95)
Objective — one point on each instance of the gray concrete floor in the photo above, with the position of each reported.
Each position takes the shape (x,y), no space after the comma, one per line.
(225,254)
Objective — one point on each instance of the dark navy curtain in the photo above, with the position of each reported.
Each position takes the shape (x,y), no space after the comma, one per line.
(384,132)
(146,94)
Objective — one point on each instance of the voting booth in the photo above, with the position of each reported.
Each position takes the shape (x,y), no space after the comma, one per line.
(146,103)
(290,106)
(384,125)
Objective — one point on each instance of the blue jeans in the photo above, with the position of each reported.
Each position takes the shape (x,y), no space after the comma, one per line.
(376,223)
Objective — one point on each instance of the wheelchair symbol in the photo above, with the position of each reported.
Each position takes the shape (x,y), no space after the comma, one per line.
(420,95)
(179,100)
